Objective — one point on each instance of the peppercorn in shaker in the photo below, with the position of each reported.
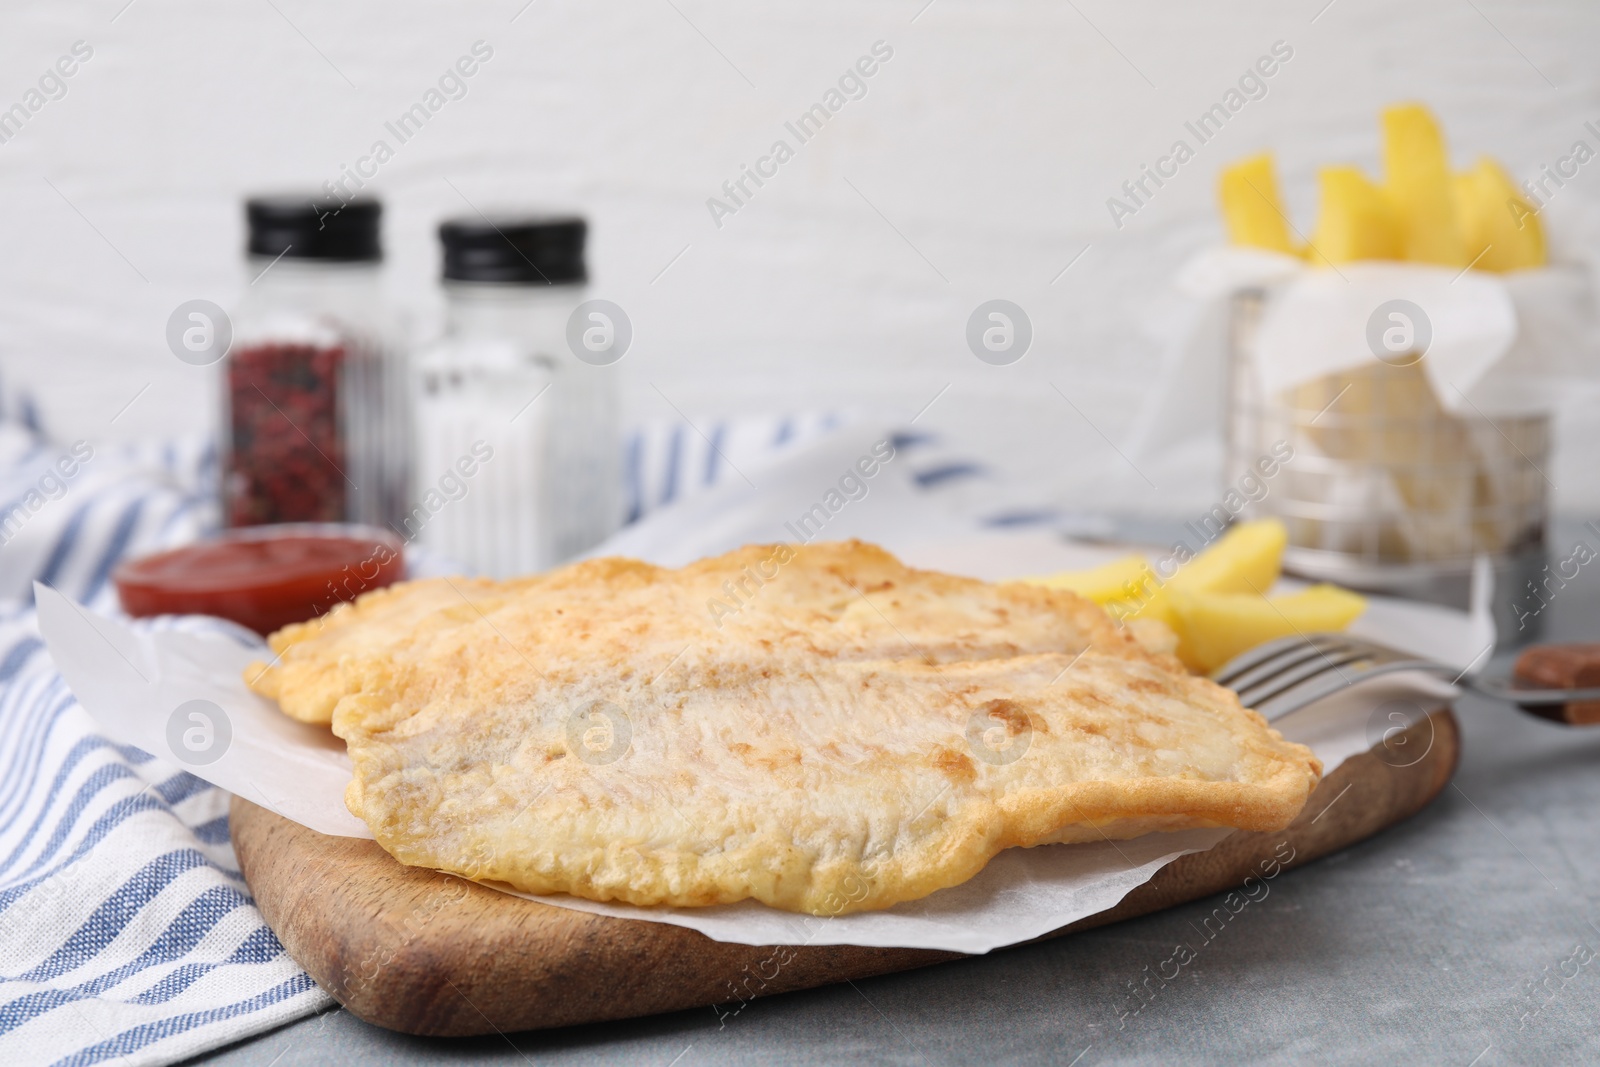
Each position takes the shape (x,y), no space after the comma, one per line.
(314,394)
(518,449)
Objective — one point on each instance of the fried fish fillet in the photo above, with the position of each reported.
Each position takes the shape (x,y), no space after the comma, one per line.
(820,728)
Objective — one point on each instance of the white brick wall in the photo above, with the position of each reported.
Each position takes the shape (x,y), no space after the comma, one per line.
(990,141)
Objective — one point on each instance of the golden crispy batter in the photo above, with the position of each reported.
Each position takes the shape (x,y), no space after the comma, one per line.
(308,681)
(820,728)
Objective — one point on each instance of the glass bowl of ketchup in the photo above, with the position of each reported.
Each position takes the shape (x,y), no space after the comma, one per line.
(263,577)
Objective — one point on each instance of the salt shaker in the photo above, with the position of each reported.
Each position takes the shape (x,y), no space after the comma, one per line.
(518,448)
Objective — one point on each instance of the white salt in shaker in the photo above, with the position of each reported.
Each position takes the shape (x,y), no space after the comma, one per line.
(518,448)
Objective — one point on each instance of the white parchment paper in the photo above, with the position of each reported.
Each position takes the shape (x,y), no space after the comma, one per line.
(1501,344)
(136,682)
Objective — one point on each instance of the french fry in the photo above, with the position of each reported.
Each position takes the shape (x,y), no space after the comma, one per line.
(1247,559)
(1127,587)
(1356,220)
(1215,627)
(1417,180)
(1252,208)
(1102,584)
(1498,225)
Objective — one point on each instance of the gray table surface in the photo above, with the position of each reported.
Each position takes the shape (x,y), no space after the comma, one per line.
(1468,935)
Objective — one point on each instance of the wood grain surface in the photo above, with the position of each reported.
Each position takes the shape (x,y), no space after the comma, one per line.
(425,953)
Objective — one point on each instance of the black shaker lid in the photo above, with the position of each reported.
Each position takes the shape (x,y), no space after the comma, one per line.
(310,227)
(519,249)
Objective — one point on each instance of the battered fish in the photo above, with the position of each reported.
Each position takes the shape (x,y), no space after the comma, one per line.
(820,728)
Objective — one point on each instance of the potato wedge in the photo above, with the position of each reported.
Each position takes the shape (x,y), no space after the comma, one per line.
(1355,221)
(1498,225)
(1215,627)
(1117,580)
(1417,180)
(1247,559)
(1127,588)
(1151,604)
(1251,207)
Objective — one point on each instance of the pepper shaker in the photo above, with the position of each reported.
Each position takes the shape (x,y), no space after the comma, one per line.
(314,391)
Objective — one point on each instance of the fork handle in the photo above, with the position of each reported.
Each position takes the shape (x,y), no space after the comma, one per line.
(1574,666)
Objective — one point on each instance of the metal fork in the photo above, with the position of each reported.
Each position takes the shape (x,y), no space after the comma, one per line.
(1287,674)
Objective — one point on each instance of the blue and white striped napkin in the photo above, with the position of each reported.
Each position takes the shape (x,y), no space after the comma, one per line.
(126,932)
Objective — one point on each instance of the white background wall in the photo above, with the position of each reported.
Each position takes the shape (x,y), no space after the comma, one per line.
(977,166)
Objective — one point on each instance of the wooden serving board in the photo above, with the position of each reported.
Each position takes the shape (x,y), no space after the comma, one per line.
(426,953)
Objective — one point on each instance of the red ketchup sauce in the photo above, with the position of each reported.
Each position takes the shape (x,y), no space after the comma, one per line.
(263,578)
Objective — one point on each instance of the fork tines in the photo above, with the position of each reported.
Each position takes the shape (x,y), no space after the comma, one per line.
(1288,663)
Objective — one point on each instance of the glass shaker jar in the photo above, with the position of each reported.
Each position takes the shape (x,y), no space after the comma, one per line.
(518,448)
(314,396)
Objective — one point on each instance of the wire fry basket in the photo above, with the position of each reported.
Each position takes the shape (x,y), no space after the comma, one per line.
(1387,490)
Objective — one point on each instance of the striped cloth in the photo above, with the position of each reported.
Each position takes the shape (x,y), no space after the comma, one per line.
(126,932)
(667,461)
